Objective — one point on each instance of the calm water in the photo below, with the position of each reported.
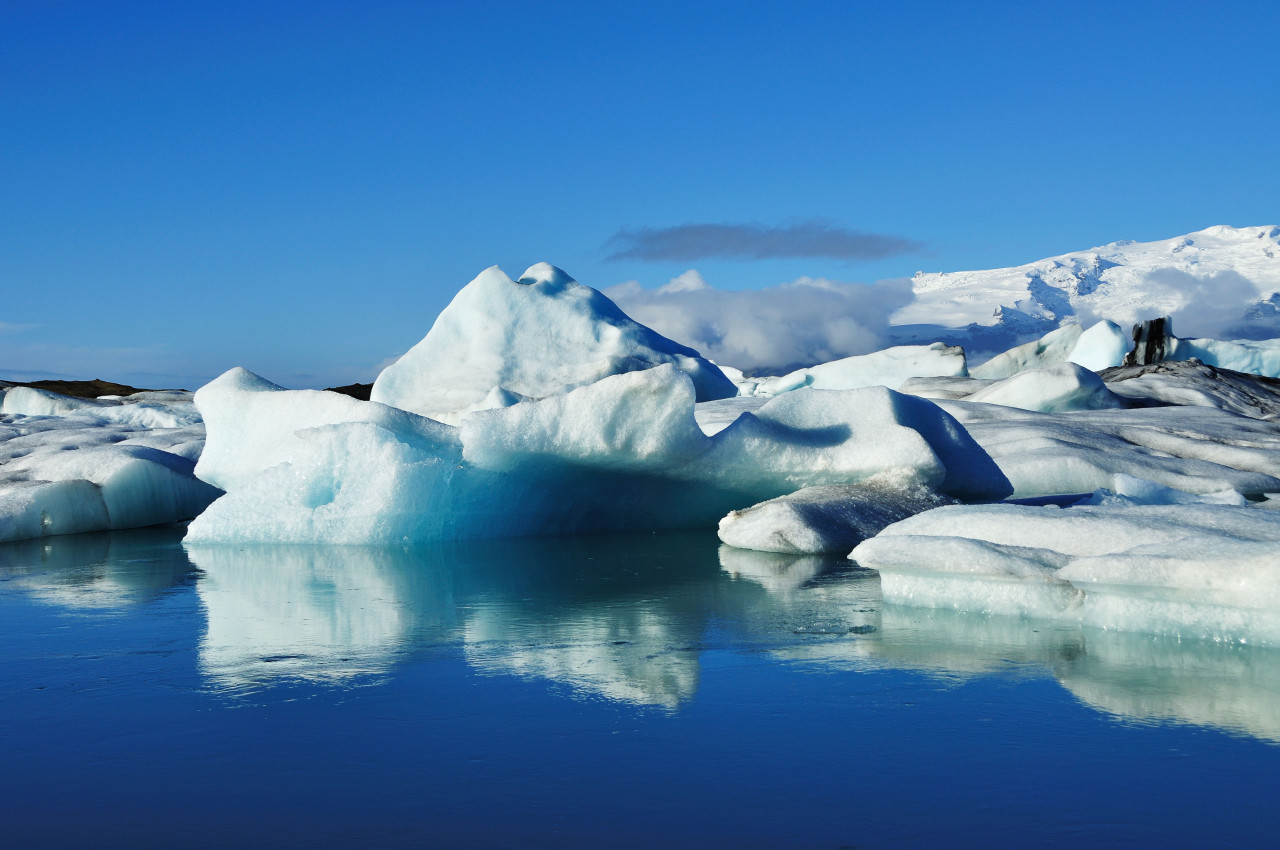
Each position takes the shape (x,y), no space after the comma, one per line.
(622,691)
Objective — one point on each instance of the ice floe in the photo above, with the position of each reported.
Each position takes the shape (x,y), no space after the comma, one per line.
(1206,571)
(74,465)
(1194,449)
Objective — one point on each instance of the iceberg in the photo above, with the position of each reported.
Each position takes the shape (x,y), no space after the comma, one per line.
(1253,357)
(623,453)
(501,341)
(1050,389)
(1053,347)
(1154,342)
(1194,449)
(1102,346)
(252,424)
(887,368)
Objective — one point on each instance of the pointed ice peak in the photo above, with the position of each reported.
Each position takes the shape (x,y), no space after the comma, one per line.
(548,274)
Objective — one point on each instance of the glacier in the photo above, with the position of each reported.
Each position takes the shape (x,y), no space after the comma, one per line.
(1221,282)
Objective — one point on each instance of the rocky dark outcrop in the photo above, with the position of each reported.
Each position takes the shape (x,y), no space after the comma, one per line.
(1150,342)
(360,391)
(81,389)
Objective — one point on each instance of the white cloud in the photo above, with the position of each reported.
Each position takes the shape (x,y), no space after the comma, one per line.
(803,322)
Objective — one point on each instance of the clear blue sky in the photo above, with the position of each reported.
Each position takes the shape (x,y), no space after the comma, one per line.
(300,188)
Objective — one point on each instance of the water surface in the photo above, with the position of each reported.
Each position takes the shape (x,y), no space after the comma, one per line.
(629,691)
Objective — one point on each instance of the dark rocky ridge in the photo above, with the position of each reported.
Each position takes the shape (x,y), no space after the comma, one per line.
(360,391)
(80,389)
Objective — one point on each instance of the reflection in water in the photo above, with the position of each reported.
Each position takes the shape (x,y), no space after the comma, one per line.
(775,572)
(626,618)
(1204,683)
(613,616)
(618,617)
(101,570)
(303,612)
(1139,677)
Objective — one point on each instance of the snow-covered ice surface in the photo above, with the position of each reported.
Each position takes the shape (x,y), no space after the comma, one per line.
(1054,388)
(1210,281)
(1205,571)
(71,465)
(501,341)
(887,368)
(623,453)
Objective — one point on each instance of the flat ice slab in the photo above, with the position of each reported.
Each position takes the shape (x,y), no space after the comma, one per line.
(1194,570)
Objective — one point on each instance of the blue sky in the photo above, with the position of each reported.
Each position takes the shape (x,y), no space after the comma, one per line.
(300,188)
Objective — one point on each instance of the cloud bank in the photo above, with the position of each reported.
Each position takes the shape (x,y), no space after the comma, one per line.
(814,238)
(768,331)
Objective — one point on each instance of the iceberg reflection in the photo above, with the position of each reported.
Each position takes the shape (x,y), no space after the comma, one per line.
(619,617)
(323,614)
(1145,678)
(100,570)
(629,618)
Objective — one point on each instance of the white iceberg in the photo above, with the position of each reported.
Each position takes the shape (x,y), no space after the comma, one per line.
(501,341)
(1194,449)
(252,424)
(1102,346)
(1053,347)
(623,453)
(1253,357)
(1059,387)
(887,368)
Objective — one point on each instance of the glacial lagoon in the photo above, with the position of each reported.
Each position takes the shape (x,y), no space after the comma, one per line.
(624,691)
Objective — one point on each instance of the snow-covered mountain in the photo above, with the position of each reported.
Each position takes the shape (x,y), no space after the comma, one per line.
(1219,282)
